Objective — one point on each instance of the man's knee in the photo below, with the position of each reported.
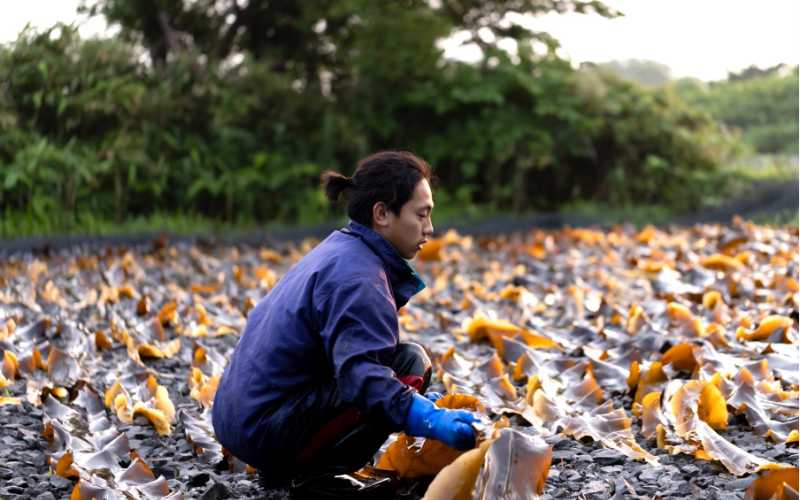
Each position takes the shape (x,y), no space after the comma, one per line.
(412,365)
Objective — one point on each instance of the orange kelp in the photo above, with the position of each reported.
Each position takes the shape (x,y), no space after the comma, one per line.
(578,333)
(692,311)
(411,460)
(509,465)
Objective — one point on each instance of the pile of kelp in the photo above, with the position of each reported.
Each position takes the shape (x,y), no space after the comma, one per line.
(659,362)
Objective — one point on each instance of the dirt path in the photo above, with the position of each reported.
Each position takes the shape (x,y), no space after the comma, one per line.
(762,201)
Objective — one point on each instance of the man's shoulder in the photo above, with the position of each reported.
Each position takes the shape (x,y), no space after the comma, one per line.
(349,255)
(348,263)
(338,258)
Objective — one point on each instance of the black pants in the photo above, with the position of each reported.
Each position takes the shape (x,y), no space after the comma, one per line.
(336,437)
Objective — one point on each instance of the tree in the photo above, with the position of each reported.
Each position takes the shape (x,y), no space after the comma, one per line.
(308,34)
(641,71)
(761,103)
(241,106)
(754,72)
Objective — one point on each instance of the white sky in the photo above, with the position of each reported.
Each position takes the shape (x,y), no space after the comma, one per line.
(42,14)
(700,38)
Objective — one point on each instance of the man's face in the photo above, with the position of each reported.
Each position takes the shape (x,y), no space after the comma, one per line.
(409,230)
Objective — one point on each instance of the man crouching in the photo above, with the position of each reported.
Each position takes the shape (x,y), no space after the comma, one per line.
(319,378)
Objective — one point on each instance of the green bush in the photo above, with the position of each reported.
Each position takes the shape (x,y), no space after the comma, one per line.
(90,129)
(763,108)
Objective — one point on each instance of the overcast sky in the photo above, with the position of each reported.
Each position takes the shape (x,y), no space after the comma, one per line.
(700,38)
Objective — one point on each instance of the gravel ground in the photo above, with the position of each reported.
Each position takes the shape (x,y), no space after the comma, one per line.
(580,468)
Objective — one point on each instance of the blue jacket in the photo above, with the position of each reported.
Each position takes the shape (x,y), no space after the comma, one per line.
(330,321)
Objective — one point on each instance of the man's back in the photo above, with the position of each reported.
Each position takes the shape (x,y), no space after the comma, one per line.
(282,353)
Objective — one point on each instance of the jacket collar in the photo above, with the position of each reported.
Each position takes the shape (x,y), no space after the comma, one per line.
(404,281)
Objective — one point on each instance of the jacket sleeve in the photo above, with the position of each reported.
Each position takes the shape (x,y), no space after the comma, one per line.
(359,332)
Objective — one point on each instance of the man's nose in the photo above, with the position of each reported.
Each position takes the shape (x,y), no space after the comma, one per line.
(428,229)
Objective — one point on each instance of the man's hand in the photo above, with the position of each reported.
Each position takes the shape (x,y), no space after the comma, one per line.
(452,427)
(434,396)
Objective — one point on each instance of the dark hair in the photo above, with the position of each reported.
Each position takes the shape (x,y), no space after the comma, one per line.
(387,176)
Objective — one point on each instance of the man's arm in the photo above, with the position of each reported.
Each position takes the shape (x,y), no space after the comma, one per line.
(359,333)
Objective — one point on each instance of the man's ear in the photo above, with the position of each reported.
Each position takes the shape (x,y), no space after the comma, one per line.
(380,214)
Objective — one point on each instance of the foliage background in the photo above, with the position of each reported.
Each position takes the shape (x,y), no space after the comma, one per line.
(213,111)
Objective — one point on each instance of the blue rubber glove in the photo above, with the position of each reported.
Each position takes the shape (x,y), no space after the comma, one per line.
(452,427)
(434,396)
